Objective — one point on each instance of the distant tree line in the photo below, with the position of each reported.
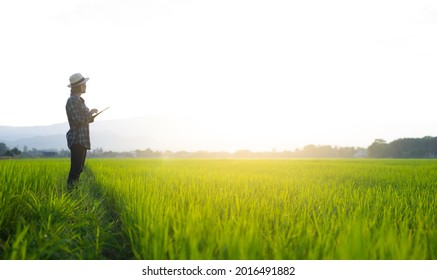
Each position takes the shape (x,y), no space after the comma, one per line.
(6,152)
(307,152)
(425,147)
(330,152)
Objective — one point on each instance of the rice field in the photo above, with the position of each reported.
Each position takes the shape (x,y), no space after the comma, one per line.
(220,209)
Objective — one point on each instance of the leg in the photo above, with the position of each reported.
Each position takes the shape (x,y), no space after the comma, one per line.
(83,161)
(77,160)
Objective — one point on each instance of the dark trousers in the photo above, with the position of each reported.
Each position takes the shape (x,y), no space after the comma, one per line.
(78,155)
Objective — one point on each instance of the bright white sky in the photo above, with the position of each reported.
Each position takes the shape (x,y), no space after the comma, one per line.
(336,72)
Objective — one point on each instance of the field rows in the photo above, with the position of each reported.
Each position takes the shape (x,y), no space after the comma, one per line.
(220,209)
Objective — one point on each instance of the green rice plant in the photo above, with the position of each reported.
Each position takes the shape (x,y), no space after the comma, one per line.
(40,219)
(220,209)
(274,209)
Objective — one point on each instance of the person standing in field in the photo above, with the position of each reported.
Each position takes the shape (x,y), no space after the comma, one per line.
(78,136)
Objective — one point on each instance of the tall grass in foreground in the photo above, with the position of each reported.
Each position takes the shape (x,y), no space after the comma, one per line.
(39,219)
(275,209)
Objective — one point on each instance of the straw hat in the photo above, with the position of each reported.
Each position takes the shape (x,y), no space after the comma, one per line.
(77,79)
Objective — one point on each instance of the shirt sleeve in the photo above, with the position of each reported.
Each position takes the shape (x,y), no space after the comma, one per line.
(77,112)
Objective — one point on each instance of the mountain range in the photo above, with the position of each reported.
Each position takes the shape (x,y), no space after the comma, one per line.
(155,132)
(198,133)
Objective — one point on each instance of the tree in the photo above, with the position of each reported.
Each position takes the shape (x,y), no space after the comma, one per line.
(425,147)
(380,149)
(3,149)
(13,152)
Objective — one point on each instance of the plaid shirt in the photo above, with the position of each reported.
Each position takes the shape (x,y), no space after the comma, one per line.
(79,118)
